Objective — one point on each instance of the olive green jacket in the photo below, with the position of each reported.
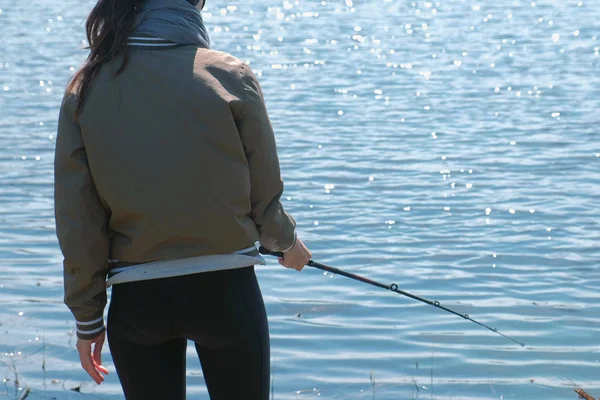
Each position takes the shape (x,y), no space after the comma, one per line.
(173,158)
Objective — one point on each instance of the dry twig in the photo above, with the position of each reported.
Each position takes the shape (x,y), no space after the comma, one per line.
(583,394)
(25,394)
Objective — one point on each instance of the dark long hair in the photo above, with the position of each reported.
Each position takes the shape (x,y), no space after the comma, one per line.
(107,27)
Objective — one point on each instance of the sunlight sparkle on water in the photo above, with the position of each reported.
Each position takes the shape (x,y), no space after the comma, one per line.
(425,74)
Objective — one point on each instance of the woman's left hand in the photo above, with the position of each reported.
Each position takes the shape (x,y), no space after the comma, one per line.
(91,361)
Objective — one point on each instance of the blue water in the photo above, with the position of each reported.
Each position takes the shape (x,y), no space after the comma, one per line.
(451,147)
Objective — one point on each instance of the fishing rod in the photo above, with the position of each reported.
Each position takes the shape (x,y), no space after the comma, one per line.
(393,287)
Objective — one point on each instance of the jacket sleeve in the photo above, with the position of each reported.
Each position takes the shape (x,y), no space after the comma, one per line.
(81,226)
(277,229)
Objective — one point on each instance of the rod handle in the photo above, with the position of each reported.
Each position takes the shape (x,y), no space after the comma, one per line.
(267,252)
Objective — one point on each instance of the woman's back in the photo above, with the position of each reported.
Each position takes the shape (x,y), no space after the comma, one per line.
(170,144)
(166,156)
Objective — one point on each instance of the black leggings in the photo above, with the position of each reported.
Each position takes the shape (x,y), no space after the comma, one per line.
(223,312)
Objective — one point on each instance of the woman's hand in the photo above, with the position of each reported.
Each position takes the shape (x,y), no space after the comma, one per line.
(296,257)
(92,361)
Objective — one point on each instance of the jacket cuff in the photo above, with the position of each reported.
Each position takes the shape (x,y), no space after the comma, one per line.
(277,246)
(90,329)
(293,244)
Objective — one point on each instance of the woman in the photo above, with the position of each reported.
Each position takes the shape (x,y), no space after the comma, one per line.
(166,175)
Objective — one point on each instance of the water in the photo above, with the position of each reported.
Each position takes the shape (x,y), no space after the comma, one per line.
(451,147)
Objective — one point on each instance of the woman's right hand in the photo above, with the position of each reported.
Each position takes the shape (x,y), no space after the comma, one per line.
(296,257)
